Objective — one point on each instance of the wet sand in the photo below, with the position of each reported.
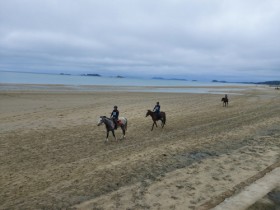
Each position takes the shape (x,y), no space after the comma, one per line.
(53,154)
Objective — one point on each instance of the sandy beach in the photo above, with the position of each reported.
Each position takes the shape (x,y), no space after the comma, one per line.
(53,155)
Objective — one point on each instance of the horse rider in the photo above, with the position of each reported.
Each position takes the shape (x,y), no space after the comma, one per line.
(226,96)
(115,116)
(157,109)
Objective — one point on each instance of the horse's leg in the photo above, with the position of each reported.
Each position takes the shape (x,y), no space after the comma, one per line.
(114,134)
(123,130)
(153,126)
(107,136)
(162,123)
(156,123)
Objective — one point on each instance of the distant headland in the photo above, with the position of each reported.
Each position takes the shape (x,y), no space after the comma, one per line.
(272,83)
(268,83)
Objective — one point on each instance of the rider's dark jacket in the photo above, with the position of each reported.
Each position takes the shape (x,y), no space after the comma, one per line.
(115,114)
(157,108)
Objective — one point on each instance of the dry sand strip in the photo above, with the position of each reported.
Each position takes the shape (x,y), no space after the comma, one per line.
(252,193)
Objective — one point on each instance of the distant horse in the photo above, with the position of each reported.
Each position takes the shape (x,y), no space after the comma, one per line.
(225,101)
(110,125)
(155,118)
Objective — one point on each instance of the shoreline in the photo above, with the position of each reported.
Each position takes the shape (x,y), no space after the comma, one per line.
(152,89)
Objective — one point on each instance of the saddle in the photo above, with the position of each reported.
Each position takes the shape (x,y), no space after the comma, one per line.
(119,123)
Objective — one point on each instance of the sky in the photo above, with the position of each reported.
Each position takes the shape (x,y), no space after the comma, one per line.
(232,40)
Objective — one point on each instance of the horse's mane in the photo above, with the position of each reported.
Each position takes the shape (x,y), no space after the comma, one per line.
(104,117)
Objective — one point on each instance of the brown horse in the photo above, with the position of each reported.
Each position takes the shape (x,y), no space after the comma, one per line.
(225,101)
(155,118)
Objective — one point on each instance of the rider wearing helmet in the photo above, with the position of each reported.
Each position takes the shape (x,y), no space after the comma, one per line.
(115,116)
(157,109)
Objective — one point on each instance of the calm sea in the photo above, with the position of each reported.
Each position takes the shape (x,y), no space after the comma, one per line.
(79,82)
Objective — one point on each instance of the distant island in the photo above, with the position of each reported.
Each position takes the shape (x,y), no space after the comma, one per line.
(219,81)
(64,74)
(91,75)
(160,78)
(119,76)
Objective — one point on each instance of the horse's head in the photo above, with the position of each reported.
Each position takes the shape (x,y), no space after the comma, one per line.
(100,120)
(148,113)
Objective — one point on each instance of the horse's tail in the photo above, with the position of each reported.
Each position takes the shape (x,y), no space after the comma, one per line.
(124,122)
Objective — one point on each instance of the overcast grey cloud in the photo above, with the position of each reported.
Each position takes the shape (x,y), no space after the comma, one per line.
(234,40)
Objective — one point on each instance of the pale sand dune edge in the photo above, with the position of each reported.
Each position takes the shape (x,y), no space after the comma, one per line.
(252,193)
(227,200)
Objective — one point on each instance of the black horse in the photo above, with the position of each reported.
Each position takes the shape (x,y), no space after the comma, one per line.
(155,118)
(225,101)
(110,126)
